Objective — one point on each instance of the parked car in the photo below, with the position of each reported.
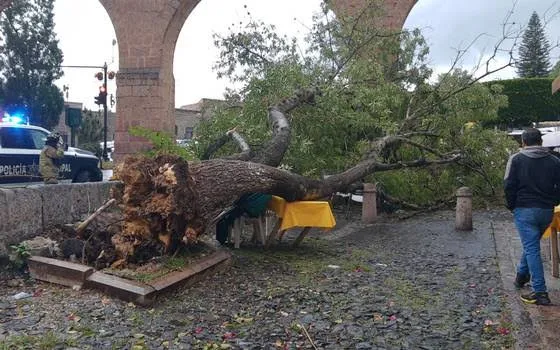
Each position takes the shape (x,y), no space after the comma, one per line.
(20,147)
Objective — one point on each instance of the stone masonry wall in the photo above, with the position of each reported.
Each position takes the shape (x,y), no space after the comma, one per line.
(27,211)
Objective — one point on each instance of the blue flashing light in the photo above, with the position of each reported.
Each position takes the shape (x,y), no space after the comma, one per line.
(14,119)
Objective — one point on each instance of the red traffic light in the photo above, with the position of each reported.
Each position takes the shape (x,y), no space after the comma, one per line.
(101,99)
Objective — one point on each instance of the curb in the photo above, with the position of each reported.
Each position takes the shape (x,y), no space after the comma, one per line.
(526,334)
(536,326)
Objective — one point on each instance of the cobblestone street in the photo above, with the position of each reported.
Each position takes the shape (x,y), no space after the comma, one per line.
(412,284)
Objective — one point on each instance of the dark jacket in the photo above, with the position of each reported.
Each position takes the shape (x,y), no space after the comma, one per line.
(532,179)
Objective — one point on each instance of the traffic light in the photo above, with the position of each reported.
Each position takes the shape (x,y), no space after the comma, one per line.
(101,99)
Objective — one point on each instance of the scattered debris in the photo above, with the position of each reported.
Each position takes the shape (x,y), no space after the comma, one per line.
(86,222)
(21,295)
(41,246)
(307,336)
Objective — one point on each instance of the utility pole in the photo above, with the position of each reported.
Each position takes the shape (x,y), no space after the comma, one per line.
(101,99)
(105,158)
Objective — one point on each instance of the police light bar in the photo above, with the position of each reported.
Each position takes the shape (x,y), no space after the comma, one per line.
(14,119)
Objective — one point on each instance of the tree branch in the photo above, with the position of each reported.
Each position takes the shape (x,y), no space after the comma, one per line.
(215,146)
(508,33)
(273,152)
(243,145)
(407,205)
(246,152)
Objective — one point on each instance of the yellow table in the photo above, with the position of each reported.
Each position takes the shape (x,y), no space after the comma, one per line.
(552,232)
(306,214)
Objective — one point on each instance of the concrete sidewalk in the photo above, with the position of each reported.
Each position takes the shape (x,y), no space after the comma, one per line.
(537,327)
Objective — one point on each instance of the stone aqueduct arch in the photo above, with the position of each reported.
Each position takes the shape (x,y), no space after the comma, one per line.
(147,31)
(395,11)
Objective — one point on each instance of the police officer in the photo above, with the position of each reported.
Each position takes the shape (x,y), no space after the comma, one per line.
(48,165)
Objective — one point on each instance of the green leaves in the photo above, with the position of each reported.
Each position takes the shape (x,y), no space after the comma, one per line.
(529,100)
(372,85)
(162,143)
(19,255)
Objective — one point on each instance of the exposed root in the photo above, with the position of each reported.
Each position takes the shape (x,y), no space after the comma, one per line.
(159,205)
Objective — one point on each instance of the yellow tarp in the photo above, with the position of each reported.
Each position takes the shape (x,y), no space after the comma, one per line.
(302,214)
(555,222)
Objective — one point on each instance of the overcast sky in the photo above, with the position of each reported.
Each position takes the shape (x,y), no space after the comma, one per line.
(86,35)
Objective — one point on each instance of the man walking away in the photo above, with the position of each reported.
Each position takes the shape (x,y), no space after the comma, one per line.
(532,189)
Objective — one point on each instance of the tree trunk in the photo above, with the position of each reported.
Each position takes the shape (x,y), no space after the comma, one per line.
(167,200)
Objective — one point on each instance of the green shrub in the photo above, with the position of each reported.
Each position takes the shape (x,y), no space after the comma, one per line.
(530,100)
(162,143)
(19,255)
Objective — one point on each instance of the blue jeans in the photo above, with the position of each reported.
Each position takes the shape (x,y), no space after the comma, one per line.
(531,224)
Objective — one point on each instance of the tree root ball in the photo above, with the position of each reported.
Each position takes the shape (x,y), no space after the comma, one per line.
(158,200)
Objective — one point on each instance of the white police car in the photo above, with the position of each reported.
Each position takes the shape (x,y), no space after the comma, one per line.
(20,147)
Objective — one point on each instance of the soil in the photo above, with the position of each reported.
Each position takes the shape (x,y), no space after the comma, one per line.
(94,248)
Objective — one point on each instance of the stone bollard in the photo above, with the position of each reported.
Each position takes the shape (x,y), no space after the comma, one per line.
(463,213)
(369,204)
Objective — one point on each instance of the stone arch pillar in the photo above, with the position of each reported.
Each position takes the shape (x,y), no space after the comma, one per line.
(394,16)
(147,31)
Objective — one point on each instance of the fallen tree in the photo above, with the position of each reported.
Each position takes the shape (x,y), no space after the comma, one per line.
(168,201)
(366,114)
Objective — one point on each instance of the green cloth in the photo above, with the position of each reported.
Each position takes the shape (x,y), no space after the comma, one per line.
(254,204)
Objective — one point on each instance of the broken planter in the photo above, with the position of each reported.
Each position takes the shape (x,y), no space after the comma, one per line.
(72,274)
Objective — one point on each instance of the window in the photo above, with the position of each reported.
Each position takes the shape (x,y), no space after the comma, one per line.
(39,137)
(16,138)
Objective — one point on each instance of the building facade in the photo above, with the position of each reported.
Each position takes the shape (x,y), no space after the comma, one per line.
(187,118)
(64,130)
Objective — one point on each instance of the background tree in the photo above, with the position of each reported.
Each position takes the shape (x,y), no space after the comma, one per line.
(361,104)
(529,101)
(555,71)
(30,61)
(534,51)
(90,133)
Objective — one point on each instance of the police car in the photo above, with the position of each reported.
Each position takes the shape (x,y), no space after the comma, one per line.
(20,147)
